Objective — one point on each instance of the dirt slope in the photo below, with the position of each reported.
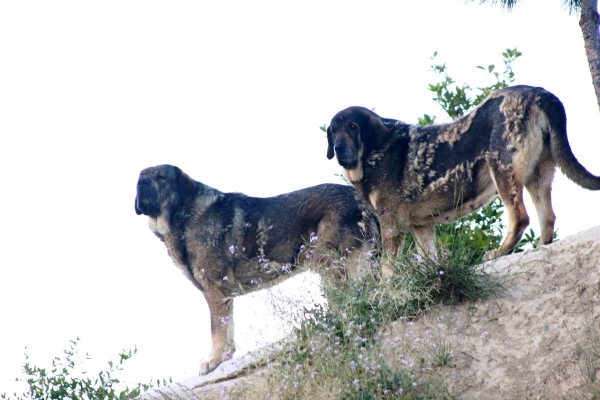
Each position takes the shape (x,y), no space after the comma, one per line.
(539,340)
(530,342)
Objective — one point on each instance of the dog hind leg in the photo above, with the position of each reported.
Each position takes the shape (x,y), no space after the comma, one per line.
(539,187)
(510,190)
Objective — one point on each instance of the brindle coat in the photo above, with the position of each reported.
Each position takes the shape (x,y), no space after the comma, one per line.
(416,177)
(227,244)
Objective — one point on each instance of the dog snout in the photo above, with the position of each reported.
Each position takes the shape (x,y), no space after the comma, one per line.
(339,147)
(345,154)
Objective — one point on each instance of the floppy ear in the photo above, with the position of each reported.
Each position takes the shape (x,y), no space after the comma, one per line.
(378,131)
(330,152)
(186,184)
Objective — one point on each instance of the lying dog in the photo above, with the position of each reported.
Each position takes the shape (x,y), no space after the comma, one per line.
(416,177)
(228,243)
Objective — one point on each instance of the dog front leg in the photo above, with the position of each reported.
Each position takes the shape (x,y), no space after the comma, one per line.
(222,330)
(425,241)
(393,241)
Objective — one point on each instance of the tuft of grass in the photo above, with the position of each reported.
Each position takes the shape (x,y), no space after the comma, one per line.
(588,350)
(339,350)
(440,350)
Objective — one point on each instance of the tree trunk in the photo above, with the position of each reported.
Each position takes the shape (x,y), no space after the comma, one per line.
(589,23)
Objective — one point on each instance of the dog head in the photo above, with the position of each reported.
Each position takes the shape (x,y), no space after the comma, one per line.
(354,132)
(162,189)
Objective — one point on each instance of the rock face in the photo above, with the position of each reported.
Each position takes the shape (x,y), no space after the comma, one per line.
(540,339)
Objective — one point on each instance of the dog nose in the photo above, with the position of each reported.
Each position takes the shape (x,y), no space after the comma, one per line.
(143,181)
(339,147)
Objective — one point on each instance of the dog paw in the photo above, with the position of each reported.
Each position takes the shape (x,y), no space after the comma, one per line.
(213,362)
(387,273)
(492,254)
(209,366)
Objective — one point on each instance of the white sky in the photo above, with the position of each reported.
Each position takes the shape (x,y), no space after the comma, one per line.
(233,93)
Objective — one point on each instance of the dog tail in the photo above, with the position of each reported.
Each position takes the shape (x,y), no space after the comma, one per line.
(561,150)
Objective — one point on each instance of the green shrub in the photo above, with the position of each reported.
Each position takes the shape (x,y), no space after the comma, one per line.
(66,379)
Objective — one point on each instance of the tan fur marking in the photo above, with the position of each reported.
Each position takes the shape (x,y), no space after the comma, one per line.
(452,133)
(354,175)
(513,108)
(159,225)
(373,197)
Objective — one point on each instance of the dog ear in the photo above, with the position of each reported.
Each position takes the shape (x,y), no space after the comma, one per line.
(186,184)
(330,152)
(378,131)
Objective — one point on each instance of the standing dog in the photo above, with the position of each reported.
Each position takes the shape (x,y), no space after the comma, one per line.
(416,177)
(227,244)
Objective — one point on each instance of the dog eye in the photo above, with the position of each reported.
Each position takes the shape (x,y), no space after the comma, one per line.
(352,126)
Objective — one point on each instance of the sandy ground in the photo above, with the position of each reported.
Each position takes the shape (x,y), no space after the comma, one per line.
(532,342)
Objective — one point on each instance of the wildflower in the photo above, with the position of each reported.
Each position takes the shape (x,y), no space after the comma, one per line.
(302,248)
(232,249)
(418,258)
(348,251)
(225,278)
(225,320)
(313,237)
(285,268)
